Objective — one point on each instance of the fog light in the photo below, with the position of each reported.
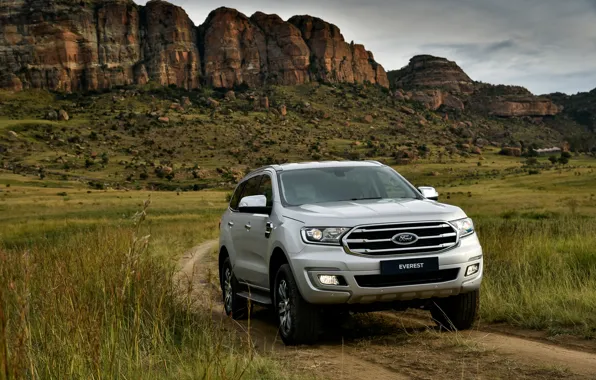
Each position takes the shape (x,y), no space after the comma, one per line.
(328,279)
(472,269)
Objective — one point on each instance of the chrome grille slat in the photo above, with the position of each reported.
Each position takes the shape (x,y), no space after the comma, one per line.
(401,228)
(388,240)
(433,237)
(401,249)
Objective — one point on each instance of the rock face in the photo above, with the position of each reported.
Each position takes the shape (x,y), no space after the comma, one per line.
(67,45)
(232,48)
(426,71)
(333,59)
(170,47)
(522,107)
(437,82)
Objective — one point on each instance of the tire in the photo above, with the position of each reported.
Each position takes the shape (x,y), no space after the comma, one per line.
(457,312)
(299,321)
(235,307)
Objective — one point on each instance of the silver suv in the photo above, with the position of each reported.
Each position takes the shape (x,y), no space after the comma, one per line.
(326,238)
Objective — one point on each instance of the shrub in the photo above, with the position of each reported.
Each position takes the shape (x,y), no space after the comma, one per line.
(509,151)
(553,159)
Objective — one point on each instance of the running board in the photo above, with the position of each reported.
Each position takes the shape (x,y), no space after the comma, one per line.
(256,297)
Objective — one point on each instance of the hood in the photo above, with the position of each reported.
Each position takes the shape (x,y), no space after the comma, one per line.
(352,213)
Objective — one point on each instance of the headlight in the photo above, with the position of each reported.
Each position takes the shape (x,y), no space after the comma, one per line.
(464,227)
(320,235)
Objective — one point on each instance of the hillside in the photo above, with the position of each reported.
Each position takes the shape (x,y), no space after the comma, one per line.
(115,94)
(169,138)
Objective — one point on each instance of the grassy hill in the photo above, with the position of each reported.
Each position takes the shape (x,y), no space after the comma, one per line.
(168,138)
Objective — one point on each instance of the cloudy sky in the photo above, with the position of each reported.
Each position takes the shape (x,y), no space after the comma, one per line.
(544,45)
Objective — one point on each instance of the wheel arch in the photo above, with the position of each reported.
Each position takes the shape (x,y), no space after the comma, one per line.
(278,258)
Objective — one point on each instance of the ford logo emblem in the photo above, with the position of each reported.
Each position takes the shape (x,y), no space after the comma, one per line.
(405,238)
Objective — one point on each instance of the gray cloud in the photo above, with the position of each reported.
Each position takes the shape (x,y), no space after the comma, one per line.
(544,45)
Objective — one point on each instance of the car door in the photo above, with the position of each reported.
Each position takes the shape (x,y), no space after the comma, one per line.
(241,231)
(228,222)
(258,244)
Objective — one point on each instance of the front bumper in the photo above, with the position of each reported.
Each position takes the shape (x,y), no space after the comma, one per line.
(315,260)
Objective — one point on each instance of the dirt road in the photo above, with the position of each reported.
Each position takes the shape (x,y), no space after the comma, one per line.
(393,345)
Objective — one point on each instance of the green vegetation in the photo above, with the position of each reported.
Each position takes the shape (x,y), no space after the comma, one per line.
(84,294)
(87,288)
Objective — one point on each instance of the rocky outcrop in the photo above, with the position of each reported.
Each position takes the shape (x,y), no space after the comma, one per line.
(233,49)
(518,107)
(332,59)
(427,71)
(170,47)
(288,56)
(67,45)
(437,82)
(435,99)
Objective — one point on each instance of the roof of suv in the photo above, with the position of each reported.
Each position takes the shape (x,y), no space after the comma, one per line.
(318,165)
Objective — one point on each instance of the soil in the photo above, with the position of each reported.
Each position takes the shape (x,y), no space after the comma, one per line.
(396,345)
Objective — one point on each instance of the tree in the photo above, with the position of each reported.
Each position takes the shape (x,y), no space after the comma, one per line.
(553,159)
(566,155)
(105,158)
(563,160)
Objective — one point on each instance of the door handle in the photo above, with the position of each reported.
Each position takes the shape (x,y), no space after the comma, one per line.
(231,224)
(268,229)
(247,226)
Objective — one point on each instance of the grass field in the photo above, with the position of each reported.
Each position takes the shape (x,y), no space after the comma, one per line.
(85,293)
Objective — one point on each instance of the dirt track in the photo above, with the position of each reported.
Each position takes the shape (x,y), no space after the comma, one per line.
(394,345)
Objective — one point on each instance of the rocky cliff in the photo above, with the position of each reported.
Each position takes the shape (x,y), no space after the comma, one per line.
(437,82)
(68,45)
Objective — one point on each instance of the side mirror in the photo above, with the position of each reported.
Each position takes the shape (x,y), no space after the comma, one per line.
(429,193)
(254,204)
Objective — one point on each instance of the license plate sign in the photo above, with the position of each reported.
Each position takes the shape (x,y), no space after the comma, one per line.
(405,266)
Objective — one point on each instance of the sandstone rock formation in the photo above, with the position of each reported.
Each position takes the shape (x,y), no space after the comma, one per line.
(517,107)
(437,82)
(170,47)
(67,45)
(333,59)
(426,71)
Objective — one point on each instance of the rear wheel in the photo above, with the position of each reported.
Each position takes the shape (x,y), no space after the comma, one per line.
(299,321)
(457,312)
(234,306)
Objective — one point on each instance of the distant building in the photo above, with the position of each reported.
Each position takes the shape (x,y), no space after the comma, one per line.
(548,151)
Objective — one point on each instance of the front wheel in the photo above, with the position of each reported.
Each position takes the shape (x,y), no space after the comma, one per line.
(299,321)
(457,312)
(234,306)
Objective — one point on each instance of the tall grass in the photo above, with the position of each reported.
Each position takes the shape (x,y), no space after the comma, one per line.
(540,272)
(98,303)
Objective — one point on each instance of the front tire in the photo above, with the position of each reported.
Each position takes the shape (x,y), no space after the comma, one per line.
(234,306)
(457,312)
(299,321)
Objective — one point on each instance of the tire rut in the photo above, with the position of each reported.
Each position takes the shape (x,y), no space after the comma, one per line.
(349,361)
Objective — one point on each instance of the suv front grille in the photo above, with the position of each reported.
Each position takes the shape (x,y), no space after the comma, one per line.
(381,281)
(378,239)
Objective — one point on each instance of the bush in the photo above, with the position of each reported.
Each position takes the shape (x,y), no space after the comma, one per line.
(509,151)
(563,160)
(553,159)
(566,155)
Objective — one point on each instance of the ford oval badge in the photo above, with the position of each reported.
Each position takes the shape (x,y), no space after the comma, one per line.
(405,238)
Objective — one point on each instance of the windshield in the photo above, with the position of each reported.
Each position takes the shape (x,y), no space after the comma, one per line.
(308,186)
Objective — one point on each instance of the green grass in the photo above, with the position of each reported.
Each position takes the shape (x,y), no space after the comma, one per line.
(87,291)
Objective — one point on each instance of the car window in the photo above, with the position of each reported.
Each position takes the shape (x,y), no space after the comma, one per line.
(266,189)
(236,197)
(252,187)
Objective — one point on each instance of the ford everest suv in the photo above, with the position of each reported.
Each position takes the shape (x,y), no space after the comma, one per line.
(316,239)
